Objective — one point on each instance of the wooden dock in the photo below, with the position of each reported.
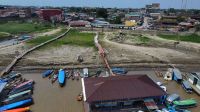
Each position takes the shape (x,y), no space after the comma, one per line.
(102,54)
(14,62)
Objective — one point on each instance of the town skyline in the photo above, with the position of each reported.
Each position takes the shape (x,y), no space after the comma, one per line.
(164,4)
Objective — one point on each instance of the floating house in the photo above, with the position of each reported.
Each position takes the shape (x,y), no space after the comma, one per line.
(121,92)
(194,80)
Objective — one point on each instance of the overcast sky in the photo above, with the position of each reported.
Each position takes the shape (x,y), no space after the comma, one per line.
(194,4)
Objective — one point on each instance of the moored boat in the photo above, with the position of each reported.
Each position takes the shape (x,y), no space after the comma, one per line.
(187,86)
(185,103)
(16,99)
(25,109)
(19,94)
(15,105)
(28,87)
(47,73)
(25,83)
(55,77)
(61,77)
(177,76)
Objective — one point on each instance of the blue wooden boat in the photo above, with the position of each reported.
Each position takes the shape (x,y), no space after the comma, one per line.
(47,73)
(186,86)
(28,87)
(16,104)
(119,71)
(16,99)
(177,76)
(61,77)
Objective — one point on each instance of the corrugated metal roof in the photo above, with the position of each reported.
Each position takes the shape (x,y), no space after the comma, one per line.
(120,87)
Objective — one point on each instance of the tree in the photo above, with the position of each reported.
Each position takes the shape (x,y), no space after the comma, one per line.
(101,12)
(117,20)
(197,27)
(172,10)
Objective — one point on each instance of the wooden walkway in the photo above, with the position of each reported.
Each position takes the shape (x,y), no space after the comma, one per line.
(102,54)
(14,62)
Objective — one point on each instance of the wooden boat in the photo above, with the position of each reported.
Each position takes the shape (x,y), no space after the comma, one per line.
(22,88)
(76,75)
(15,105)
(61,77)
(177,76)
(73,73)
(186,86)
(70,74)
(25,109)
(16,99)
(28,87)
(55,77)
(47,73)
(11,77)
(25,83)
(185,103)
(51,75)
(20,94)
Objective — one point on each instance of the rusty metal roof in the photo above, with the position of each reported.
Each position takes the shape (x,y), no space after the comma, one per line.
(120,88)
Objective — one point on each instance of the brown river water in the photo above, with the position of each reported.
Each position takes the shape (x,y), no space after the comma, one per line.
(52,98)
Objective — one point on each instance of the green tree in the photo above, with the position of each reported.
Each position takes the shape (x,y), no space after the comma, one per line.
(117,20)
(181,18)
(197,27)
(172,10)
(101,12)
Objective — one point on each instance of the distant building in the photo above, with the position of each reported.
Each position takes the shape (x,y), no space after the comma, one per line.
(153,6)
(155,15)
(121,92)
(100,23)
(79,23)
(50,14)
(133,16)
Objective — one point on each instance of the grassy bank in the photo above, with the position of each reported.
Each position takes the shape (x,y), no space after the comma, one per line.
(74,37)
(4,35)
(17,27)
(188,38)
(41,39)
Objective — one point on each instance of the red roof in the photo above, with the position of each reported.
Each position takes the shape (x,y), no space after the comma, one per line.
(120,88)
